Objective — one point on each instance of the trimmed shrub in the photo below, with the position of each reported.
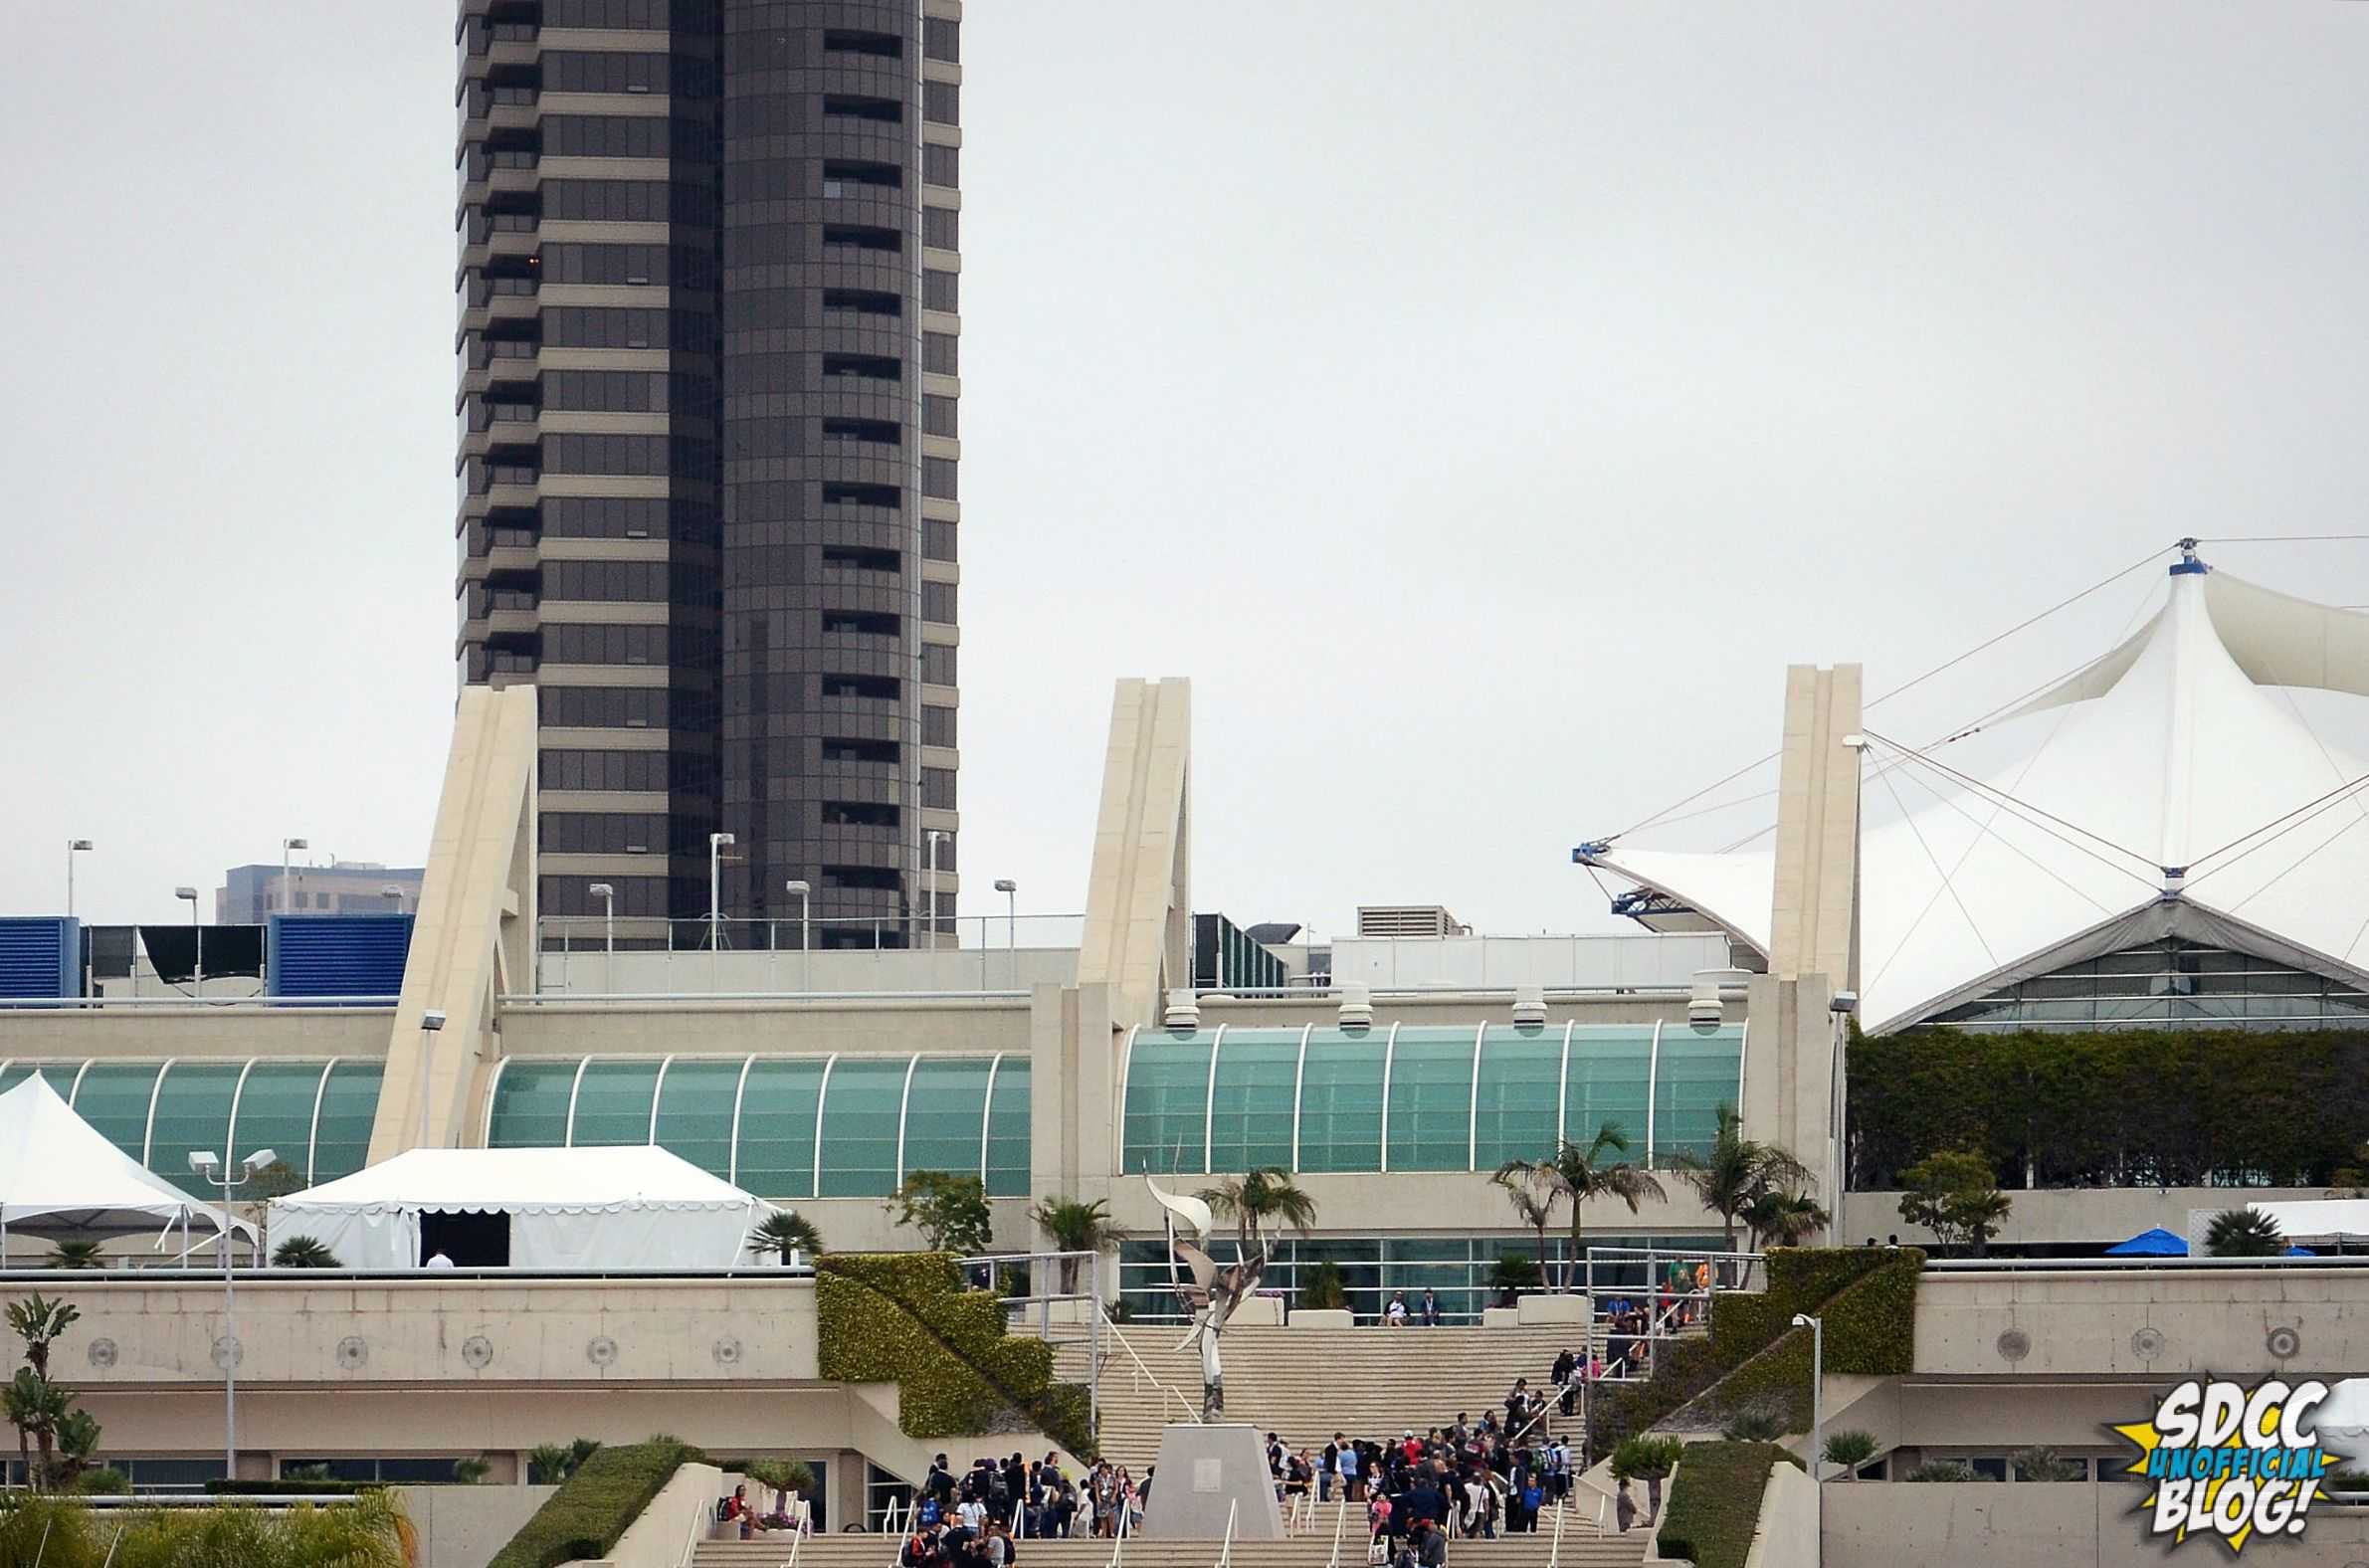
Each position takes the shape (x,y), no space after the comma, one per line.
(596,1505)
(905,1319)
(1714,1504)
(1755,1357)
(2125,1107)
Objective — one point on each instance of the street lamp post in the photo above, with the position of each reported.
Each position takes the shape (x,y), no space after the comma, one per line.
(935,834)
(74,847)
(197,982)
(287,896)
(1011,892)
(716,844)
(206,1167)
(1816,1328)
(805,892)
(431,1024)
(607,895)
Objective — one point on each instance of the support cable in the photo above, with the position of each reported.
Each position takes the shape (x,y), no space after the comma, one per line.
(1992,791)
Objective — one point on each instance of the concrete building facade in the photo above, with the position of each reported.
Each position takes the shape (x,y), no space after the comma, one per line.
(709,302)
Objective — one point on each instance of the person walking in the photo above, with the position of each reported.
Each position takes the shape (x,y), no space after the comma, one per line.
(1624,1508)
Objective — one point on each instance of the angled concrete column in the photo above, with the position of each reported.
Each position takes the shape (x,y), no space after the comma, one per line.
(1138,898)
(475,936)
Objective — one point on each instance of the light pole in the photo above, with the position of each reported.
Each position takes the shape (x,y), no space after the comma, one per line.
(288,896)
(431,1022)
(198,967)
(1011,892)
(935,834)
(805,892)
(607,895)
(1816,1328)
(717,842)
(205,1165)
(74,847)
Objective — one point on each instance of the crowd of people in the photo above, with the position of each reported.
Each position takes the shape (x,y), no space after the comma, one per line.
(978,1518)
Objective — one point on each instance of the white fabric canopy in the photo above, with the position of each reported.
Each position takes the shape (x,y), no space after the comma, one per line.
(638,1207)
(2169,790)
(59,1175)
(2343,1423)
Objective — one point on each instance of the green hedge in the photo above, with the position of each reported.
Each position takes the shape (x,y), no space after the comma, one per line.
(1715,1502)
(905,1319)
(1867,1296)
(596,1505)
(2136,1107)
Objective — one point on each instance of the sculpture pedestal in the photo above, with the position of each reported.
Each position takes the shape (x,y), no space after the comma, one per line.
(1204,1471)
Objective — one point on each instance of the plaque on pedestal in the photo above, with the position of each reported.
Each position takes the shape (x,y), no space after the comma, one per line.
(1205,1473)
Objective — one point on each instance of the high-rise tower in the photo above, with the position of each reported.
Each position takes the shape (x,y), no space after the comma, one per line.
(708,274)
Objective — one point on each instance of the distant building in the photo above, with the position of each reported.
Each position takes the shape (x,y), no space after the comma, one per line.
(250,893)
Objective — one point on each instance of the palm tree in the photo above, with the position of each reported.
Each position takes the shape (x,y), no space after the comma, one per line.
(1533,1199)
(1849,1448)
(1578,1172)
(35,1407)
(470,1472)
(1784,1218)
(1737,1172)
(303,1251)
(73,1255)
(37,1321)
(783,1232)
(1257,1197)
(548,1463)
(1074,1228)
(77,1446)
(2244,1233)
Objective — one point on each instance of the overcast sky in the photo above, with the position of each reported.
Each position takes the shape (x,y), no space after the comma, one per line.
(1482,403)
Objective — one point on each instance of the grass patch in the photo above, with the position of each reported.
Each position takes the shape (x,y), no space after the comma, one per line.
(596,1505)
(1714,1504)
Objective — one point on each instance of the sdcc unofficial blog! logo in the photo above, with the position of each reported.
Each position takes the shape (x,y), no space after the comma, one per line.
(2231,1460)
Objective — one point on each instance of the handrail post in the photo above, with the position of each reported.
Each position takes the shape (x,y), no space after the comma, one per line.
(1225,1547)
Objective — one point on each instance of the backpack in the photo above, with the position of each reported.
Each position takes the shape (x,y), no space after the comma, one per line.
(929,1509)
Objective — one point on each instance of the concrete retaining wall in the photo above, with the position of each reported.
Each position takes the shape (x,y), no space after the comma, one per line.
(1878,1524)
(464,1526)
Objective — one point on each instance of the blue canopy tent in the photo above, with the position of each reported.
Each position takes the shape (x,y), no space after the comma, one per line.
(2158,1242)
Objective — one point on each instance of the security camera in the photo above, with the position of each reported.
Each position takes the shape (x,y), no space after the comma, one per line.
(1845,1003)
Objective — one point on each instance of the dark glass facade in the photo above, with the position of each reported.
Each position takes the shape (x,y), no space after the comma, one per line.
(708,444)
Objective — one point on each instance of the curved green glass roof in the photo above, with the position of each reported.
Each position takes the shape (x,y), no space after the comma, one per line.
(315,1115)
(1418,1097)
(840,1125)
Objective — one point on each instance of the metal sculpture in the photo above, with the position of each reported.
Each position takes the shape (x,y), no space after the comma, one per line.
(1215,1291)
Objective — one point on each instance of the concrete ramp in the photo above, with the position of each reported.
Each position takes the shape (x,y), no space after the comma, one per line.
(474,935)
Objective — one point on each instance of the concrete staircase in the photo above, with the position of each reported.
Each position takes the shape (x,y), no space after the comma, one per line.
(1308,1383)
(1582,1547)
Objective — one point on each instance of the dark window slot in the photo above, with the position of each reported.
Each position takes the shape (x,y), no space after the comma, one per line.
(847,41)
(847,106)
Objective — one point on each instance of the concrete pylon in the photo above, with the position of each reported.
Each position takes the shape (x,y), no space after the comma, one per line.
(474,938)
(1138,938)
(1793,1080)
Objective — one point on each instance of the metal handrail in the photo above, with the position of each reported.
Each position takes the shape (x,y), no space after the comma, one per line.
(179,999)
(1118,1537)
(562,998)
(1340,1522)
(1226,1548)
(1554,1552)
(1145,1374)
(892,1520)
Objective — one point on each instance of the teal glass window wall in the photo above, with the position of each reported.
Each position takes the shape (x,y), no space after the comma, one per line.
(314,1115)
(1418,1097)
(832,1126)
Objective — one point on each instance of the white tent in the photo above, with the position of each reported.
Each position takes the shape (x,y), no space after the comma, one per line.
(2169,790)
(2343,1423)
(636,1207)
(2323,1224)
(59,1175)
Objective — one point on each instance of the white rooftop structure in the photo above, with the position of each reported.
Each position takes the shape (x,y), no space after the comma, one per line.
(629,1207)
(2167,792)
